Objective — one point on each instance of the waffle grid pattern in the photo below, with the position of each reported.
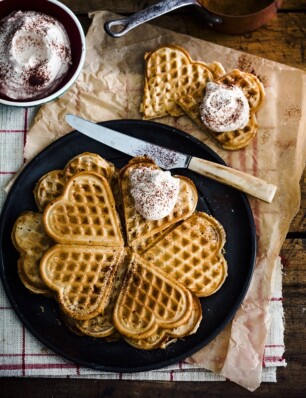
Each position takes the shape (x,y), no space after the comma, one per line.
(51,185)
(102,325)
(82,277)
(196,258)
(148,300)
(48,188)
(85,214)
(162,337)
(170,73)
(249,84)
(88,162)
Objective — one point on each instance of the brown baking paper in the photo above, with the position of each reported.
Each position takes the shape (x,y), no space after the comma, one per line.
(110,87)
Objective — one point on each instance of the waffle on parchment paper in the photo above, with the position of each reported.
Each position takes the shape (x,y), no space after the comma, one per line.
(175,84)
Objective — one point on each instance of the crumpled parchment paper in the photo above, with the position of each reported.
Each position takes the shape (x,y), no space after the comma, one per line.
(110,87)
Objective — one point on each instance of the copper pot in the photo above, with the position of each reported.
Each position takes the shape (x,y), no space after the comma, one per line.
(234,17)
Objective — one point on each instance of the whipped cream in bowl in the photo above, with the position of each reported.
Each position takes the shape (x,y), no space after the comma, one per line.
(42,51)
(155,192)
(224,108)
(35,55)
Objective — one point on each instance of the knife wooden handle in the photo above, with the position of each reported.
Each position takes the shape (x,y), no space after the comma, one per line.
(244,182)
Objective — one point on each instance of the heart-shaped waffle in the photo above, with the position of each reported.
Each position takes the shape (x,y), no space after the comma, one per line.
(31,241)
(151,302)
(51,185)
(250,84)
(48,187)
(102,325)
(139,229)
(162,338)
(105,290)
(255,94)
(88,161)
(170,73)
(191,253)
(85,213)
(81,276)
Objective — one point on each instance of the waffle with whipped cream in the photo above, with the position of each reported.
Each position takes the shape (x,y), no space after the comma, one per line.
(141,285)
(175,85)
(237,138)
(139,229)
(170,73)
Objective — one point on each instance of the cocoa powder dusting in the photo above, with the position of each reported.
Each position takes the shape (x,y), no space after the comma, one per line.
(164,157)
(249,64)
(293,112)
(154,192)
(37,76)
(31,71)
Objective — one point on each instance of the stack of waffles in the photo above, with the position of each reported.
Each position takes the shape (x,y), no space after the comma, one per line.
(175,85)
(114,274)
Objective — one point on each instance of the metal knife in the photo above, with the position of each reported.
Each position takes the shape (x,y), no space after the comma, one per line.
(169,159)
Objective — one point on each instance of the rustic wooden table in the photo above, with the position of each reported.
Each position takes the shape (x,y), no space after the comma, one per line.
(282,40)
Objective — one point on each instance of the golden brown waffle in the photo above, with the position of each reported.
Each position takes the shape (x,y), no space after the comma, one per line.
(150,301)
(102,325)
(31,241)
(250,84)
(51,185)
(81,276)
(48,187)
(88,161)
(191,254)
(254,92)
(85,213)
(139,229)
(107,291)
(139,246)
(170,73)
(162,338)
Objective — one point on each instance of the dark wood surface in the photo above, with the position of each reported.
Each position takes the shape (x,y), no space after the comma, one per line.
(281,40)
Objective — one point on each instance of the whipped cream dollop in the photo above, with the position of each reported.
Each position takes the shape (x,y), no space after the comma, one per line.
(154,191)
(35,55)
(224,108)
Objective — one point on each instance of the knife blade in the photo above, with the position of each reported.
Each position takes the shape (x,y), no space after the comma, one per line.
(169,159)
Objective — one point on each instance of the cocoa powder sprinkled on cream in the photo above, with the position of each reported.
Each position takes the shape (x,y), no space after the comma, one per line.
(35,55)
(224,108)
(154,191)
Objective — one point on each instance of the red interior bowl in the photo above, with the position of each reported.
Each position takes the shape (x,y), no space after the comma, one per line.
(74,30)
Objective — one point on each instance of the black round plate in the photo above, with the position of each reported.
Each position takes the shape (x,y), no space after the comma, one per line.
(226,204)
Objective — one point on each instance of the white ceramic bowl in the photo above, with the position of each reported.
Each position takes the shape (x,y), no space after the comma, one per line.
(74,30)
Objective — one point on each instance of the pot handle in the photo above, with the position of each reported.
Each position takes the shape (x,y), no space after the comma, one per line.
(152,12)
